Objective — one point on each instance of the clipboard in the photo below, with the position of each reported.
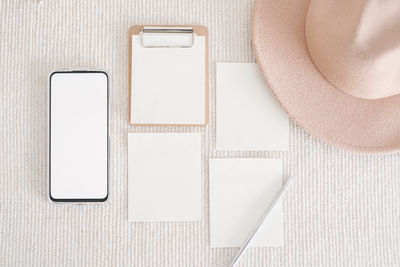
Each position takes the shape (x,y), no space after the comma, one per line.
(168,75)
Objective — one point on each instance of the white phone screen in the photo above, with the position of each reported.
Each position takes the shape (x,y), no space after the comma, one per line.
(78,136)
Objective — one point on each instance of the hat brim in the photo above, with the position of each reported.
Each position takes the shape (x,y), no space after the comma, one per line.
(344,121)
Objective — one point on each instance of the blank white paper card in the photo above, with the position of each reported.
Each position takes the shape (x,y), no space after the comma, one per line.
(168,83)
(241,191)
(248,115)
(164,177)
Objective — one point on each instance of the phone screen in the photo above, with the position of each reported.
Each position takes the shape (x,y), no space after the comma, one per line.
(78,136)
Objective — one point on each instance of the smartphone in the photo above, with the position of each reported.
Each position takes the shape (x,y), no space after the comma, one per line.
(78,139)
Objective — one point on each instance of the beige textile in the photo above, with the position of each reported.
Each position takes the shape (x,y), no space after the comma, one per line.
(343,210)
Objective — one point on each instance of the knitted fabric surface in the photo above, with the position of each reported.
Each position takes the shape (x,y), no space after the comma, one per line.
(343,209)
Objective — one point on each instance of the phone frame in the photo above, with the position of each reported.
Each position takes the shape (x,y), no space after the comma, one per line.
(76,200)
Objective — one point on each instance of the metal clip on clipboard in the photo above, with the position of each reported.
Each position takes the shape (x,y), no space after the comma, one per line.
(179,37)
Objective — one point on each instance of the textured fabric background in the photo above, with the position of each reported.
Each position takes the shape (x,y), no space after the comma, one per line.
(344,209)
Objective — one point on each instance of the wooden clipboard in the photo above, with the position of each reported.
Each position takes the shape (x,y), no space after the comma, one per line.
(199,30)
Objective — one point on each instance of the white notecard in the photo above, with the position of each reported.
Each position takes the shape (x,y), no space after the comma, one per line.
(164,177)
(241,191)
(248,116)
(168,83)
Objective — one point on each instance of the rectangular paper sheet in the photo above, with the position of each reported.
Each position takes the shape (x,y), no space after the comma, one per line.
(248,115)
(168,83)
(241,191)
(164,177)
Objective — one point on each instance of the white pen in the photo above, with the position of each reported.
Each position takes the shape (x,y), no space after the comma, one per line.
(261,222)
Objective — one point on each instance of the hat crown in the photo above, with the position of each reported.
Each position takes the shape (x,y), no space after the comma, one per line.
(356,45)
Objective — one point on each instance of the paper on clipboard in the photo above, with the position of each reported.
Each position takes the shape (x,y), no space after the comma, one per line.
(168,76)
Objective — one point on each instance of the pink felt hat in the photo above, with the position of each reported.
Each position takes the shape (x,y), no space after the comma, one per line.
(334,65)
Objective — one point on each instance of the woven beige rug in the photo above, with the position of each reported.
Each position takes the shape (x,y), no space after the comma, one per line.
(344,209)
